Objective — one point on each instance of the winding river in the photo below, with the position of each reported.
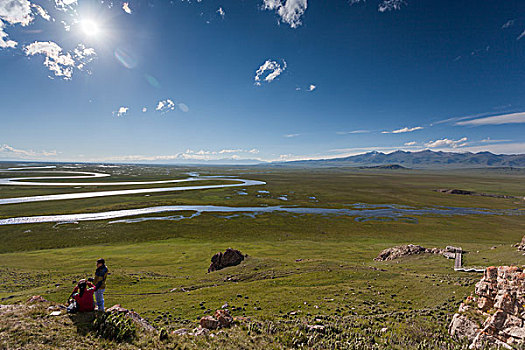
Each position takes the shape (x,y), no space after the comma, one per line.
(23,181)
(361,212)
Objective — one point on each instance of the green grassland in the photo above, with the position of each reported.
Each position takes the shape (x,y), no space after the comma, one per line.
(300,268)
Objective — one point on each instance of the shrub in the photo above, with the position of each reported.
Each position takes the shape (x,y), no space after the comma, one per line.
(113,326)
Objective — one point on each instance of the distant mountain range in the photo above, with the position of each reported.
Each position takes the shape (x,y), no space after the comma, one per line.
(422,159)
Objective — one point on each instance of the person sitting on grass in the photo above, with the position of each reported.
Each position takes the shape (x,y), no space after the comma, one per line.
(101,273)
(82,297)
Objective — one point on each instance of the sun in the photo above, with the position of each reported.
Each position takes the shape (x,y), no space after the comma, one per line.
(90,27)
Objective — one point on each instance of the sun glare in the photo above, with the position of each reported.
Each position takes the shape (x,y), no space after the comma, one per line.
(90,28)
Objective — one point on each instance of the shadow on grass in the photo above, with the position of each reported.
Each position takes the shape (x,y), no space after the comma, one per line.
(83,321)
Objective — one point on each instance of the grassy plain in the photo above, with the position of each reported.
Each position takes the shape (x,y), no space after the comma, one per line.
(301,268)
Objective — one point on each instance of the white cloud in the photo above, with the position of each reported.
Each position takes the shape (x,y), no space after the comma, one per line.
(164,106)
(291,135)
(189,154)
(62,64)
(4,38)
(411,143)
(64,4)
(221,12)
(144,110)
(125,7)
(273,68)
(41,12)
(446,143)
(290,11)
(489,140)
(230,151)
(238,150)
(121,111)
(403,130)
(16,11)
(497,148)
(511,118)
(9,152)
(389,5)
(312,87)
(83,55)
(521,35)
(353,132)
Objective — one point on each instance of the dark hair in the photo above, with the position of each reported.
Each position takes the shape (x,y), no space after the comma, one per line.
(101,261)
(81,287)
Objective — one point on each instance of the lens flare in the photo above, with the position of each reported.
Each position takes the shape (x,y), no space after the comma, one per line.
(152,80)
(126,58)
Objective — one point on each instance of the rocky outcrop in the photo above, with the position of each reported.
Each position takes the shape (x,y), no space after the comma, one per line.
(405,250)
(231,257)
(221,319)
(494,315)
(132,315)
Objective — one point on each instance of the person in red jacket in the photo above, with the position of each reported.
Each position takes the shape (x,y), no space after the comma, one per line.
(82,297)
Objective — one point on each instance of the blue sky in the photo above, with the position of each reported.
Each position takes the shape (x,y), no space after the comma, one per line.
(184,81)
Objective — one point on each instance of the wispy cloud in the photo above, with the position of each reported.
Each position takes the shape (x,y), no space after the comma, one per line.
(447,143)
(497,148)
(268,71)
(511,118)
(290,11)
(403,130)
(508,24)
(353,132)
(411,143)
(9,152)
(193,155)
(489,140)
(291,135)
(521,35)
(238,150)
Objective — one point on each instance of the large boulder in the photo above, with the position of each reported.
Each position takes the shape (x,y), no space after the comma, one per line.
(405,250)
(209,322)
(220,319)
(462,327)
(494,315)
(231,257)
